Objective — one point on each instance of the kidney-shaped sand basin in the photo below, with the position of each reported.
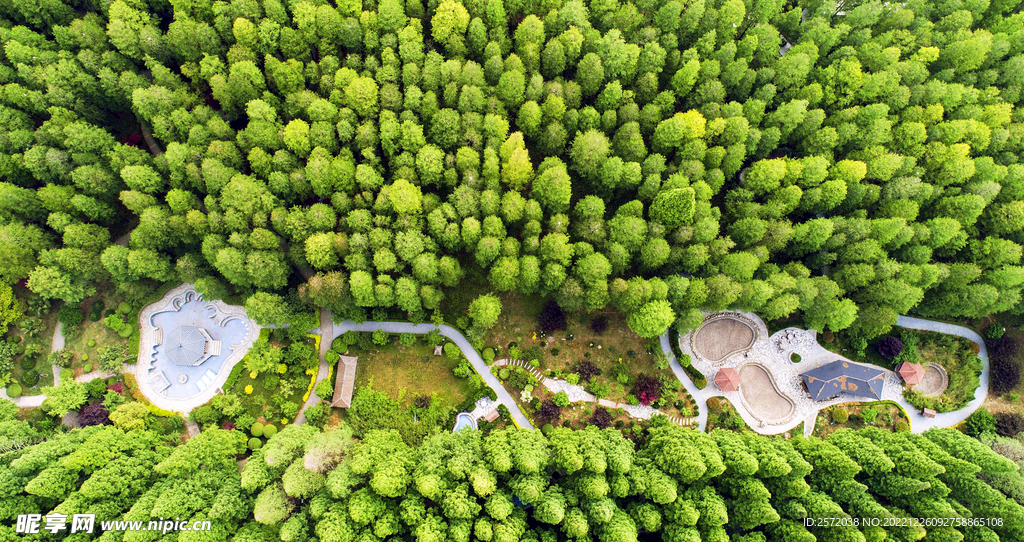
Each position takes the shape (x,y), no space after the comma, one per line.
(761,396)
(722,337)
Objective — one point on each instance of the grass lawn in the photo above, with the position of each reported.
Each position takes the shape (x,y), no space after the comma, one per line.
(97,331)
(406,372)
(888,414)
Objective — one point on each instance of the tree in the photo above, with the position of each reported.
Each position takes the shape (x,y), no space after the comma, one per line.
(484,311)
(449,24)
(68,396)
(651,319)
(268,309)
(673,208)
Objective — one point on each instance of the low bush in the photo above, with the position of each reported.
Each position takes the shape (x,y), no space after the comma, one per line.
(488,354)
(61,358)
(980,421)
(123,308)
(30,378)
(1009,424)
(994,331)
(562,399)
(27,362)
(599,324)
(96,311)
(70,315)
(601,418)
(503,373)
(552,318)
(890,347)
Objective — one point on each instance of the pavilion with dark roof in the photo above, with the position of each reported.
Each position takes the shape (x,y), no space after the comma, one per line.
(344,382)
(841,376)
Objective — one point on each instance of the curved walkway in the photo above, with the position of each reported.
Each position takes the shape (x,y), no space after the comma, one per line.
(918,422)
(456,337)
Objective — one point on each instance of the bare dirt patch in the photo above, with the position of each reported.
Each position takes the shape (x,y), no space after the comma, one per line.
(720,338)
(760,394)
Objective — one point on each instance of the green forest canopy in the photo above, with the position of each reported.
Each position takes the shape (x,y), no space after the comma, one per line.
(844,163)
(677,485)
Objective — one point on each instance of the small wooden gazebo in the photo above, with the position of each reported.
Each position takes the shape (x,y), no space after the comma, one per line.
(911,373)
(344,382)
(728,379)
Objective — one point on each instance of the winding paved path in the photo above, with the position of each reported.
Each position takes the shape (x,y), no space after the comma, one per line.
(326,330)
(700,397)
(918,422)
(456,337)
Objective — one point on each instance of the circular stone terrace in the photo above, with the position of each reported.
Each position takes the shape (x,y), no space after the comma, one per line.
(723,336)
(934,382)
(188,347)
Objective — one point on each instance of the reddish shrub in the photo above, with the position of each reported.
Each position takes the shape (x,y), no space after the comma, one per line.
(116,387)
(552,318)
(587,370)
(549,410)
(647,389)
(93,414)
(890,347)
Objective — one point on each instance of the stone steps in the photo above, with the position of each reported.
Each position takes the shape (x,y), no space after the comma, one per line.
(524,364)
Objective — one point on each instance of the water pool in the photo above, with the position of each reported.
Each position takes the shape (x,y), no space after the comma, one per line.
(463,421)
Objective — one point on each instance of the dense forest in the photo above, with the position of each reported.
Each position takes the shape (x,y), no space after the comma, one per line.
(676,485)
(841,163)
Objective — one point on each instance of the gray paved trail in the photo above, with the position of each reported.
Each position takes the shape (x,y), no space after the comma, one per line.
(326,336)
(920,423)
(456,337)
(700,397)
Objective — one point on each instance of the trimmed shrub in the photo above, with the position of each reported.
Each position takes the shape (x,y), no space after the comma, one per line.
(552,318)
(96,311)
(994,331)
(503,373)
(126,331)
(87,368)
(256,430)
(890,347)
(14,390)
(488,354)
(601,418)
(902,426)
(269,430)
(980,421)
(30,378)
(123,308)
(27,362)
(840,415)
(91,343)
(255,444)
(547,428)
(795,358)
(70,315)
(85,357)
